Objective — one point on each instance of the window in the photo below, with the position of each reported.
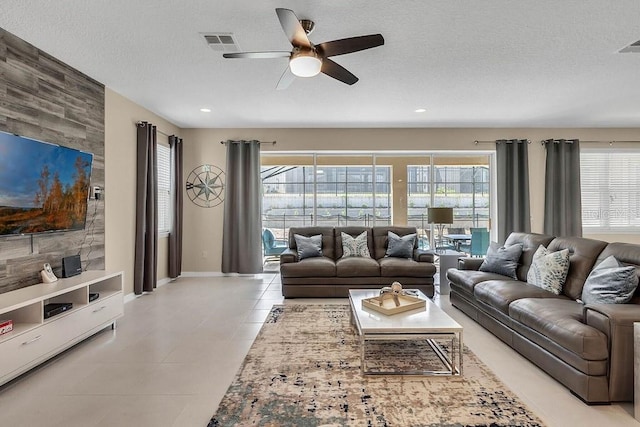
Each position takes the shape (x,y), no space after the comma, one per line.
(458,181)
(610,187)
(324,190)
(164,188)
(346,195)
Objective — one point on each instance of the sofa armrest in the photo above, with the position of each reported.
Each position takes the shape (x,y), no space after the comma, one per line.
(423,256)
(616,322)
(468,263)
(289,255)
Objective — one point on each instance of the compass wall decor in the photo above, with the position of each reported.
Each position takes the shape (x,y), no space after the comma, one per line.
(205,186)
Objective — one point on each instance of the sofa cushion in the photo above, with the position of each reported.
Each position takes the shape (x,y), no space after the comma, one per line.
(355,246)
(549,269)
(405,267)
(502,260)
(610,283)
(530,243)
(468,279)
(582,257)
(310,267)
(500,293)
(357,267)
(308,247)
(400,247)
(561,320)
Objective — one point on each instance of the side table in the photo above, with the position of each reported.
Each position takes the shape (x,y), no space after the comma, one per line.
(448,259)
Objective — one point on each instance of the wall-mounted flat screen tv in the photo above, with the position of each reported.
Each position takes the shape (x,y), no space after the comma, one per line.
(43,187)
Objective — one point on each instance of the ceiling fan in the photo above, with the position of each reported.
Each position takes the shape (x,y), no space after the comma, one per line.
(307,59)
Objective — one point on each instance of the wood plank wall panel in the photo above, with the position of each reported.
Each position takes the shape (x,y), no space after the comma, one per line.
(45,99)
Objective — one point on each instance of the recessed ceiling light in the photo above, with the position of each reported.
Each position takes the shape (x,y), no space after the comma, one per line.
(205,110)
(421,110)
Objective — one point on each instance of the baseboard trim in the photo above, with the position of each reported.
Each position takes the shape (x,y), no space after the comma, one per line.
(202,274)
(130,297)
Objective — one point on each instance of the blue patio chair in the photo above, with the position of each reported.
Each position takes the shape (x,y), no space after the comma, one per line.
(479,242)
(272,247)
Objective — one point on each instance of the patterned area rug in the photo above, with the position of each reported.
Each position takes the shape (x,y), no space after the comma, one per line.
(304,370)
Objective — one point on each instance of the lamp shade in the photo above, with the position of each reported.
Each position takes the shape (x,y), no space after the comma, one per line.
(440,215)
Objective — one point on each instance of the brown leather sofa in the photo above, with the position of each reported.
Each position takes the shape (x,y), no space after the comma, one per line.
(331,275)
(588,348)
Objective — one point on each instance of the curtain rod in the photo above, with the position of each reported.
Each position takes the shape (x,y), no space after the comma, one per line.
(610,142)
(228,141)
(494,141)
(138,123)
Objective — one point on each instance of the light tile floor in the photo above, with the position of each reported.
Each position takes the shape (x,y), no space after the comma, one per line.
(173,355)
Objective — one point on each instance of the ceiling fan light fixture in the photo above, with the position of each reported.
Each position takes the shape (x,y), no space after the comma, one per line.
(305,63)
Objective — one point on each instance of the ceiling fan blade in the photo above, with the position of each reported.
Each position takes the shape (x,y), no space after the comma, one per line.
(292,28)
(286,79)
(337,71)
(257,55)
(349,45)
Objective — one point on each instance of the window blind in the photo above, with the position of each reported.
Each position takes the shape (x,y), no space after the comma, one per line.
(164,188)
(610,187)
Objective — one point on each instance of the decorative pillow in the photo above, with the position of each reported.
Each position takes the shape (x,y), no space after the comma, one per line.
(549,269)
(355,246)
(400,247)
(610,283)
(502,260)
(308,247)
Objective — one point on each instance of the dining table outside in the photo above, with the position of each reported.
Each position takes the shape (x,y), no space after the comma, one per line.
(457,239)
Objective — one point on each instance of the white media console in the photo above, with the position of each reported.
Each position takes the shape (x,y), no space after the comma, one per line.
(35,339)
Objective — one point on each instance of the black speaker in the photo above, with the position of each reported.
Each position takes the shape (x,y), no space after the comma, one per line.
(71,266)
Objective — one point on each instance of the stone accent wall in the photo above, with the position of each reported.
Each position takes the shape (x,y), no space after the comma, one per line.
(45,99)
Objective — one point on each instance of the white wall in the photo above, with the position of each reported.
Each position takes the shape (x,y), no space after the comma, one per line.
(203,226)
(121,115)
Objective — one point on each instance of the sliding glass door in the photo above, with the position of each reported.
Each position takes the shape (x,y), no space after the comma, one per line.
(374,189)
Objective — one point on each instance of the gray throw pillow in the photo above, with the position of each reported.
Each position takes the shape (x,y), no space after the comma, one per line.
(610,283)
(308,247)
(400,247)
(502,260)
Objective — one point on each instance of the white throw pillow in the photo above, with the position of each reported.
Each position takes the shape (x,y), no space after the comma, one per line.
(549,269)
(355,246)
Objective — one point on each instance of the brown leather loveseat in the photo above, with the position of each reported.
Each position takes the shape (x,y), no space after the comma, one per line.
(586,347)
(332,275)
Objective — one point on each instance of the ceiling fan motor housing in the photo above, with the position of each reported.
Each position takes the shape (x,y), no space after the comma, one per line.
(307,25)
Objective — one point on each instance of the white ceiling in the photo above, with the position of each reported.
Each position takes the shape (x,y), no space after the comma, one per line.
(491,63)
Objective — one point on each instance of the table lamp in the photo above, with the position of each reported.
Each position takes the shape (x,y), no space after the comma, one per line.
(440,217)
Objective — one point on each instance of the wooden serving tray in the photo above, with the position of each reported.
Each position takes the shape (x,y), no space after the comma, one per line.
(386,304)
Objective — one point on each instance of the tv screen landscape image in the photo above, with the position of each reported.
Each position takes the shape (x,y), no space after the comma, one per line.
(43,187)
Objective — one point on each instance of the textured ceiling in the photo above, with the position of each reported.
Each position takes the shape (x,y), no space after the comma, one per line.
(491,63)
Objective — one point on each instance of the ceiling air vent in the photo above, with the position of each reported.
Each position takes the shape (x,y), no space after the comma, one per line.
(222,42)
(632,48)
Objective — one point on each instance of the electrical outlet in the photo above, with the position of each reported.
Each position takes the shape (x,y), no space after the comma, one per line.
(205,254)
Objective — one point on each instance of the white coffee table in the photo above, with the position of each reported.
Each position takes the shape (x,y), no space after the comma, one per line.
(426,324)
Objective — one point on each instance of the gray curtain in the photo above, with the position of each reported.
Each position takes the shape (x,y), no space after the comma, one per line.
(146,248)
(562,200)
(513,187)
(175,236)
(242,230)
